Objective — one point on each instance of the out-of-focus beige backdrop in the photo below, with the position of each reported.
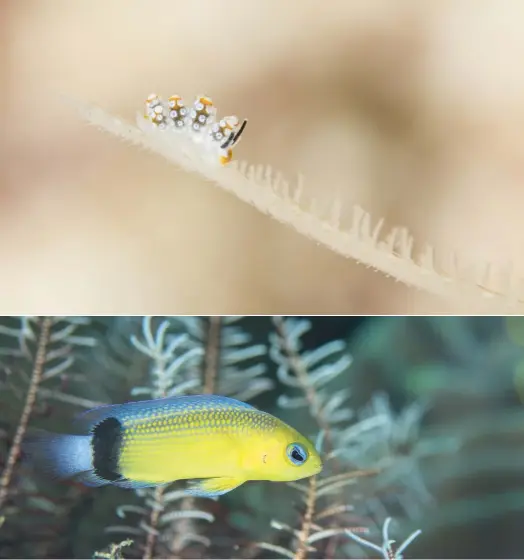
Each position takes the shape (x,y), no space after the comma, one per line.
(414,110)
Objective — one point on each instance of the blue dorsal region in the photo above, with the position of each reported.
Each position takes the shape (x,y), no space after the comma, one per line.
(86,421)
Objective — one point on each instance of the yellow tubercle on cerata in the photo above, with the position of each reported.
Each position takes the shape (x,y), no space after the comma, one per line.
(224,160)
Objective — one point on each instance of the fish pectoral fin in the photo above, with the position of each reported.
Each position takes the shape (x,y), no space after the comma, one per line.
(210,487)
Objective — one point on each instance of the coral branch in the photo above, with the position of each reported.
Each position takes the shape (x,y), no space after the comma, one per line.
(212,356)
(301,374)
(44,337)
(386,549)
(468,286)
(307,522)
(300,371)
(153,523)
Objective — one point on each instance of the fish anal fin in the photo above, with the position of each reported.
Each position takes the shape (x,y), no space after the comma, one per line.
(90,478)
(210,487)
(135,484)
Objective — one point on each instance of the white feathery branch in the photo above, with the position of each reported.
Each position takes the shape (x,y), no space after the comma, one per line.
(473,287)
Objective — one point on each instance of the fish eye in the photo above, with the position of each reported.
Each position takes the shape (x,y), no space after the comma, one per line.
(296,453)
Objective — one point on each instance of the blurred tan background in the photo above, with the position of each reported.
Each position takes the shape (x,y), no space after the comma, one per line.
(414,110)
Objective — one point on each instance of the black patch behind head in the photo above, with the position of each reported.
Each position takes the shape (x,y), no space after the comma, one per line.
(107,440)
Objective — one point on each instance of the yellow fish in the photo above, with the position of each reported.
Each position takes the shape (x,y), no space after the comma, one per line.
(219,440)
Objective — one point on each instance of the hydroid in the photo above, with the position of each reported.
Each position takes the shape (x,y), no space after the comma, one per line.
(467,286)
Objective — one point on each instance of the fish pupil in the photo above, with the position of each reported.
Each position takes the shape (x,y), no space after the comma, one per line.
(297,455)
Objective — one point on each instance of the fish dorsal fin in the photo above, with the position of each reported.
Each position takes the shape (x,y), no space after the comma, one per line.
(86,421)
(197,402)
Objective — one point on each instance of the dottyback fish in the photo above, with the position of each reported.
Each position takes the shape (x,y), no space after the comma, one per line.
(217,442)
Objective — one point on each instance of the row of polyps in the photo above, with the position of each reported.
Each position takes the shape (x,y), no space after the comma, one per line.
(199,121)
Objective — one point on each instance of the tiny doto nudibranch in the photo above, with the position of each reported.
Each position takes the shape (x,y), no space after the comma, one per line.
(218,137)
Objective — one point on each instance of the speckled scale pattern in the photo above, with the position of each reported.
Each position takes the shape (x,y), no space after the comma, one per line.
(190,417)
(197,423)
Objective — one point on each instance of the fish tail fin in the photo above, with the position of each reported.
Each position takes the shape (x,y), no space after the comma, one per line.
(58,455)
